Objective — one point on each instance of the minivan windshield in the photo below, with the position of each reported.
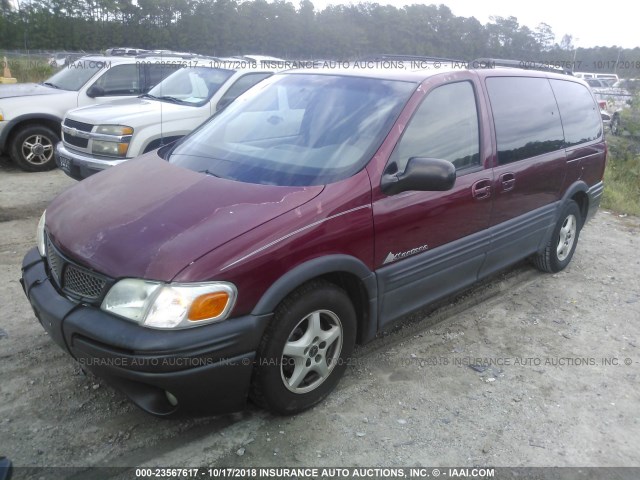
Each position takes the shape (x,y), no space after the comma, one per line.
(190,86)
(75,75)
(297,129)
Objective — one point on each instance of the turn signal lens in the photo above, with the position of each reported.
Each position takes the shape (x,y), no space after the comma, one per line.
(209,305)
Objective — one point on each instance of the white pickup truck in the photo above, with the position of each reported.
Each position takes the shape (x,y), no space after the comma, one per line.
(101,136)
(30,113)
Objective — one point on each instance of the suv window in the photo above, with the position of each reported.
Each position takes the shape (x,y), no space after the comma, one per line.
(74,76)
(445,126)
(157,72)
(526,117)
(120,80)
(243,84)
(580,116)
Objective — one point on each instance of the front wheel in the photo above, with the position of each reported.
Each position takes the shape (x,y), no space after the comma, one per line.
(32,148)
(559,251)
(305,349)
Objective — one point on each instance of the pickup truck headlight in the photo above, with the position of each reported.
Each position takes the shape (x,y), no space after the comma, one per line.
(111,140)
(40,235)
(170,306)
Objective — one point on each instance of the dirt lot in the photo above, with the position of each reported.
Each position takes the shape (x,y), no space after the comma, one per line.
(527,369)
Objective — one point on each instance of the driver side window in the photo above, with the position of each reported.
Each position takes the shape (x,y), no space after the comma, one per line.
(444,126)
(119,80)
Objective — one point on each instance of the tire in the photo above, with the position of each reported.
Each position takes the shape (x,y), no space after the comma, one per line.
(32,148)
(304,351)
(559,251)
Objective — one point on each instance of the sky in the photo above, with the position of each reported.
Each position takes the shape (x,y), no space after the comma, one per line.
(590,23)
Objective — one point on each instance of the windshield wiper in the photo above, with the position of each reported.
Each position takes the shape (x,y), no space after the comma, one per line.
(147,95)
(209,172)
(49,84)
(171,99)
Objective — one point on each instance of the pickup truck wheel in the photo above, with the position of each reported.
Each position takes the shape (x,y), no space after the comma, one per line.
(32,148)
(559,250)
(305,349)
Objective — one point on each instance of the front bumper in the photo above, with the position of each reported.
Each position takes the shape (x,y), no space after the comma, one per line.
(80,166)
(207,369)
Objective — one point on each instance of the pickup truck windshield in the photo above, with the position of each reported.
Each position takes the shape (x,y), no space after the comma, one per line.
(75,75)
(190,86)
(297,129)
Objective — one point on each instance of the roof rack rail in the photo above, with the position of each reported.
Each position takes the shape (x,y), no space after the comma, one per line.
(124,51)
(408,58)
(481,63)
(169,53)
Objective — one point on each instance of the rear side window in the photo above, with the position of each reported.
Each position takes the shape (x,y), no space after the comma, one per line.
(580,114)
(445,126)
(526,117)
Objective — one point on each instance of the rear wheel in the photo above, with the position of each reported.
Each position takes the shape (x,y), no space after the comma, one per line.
(559,251)
(32,148)
(305,349)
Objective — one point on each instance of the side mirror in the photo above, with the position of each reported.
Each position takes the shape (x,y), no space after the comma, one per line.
(421,174)
(95,91)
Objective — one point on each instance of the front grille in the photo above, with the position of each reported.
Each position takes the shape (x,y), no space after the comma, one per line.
(74,280)
(82,283)
(75,141)
(85,127)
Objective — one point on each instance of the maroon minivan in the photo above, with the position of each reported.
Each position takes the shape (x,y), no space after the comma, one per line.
(248,259)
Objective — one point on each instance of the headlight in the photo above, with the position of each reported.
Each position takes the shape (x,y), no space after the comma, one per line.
(117,130)
(112,149)
(111,140)
(40,235)
(175,305)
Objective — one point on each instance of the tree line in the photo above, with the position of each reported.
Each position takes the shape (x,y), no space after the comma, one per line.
(280,28)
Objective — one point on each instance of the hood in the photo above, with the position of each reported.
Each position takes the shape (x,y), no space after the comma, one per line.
(128,111)
(149,219)
(27,90)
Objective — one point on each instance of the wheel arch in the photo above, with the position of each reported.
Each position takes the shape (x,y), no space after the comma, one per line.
(344,271)
(50,121)
(578,192)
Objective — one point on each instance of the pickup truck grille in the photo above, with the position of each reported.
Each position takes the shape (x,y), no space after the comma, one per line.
(74,280)
(72,125)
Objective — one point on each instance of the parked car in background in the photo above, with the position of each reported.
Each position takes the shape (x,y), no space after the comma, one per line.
(246,260)
(30,113)
(100,136)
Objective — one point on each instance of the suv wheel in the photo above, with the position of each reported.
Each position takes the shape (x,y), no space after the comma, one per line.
(305,349)
(32,148)
(564,240)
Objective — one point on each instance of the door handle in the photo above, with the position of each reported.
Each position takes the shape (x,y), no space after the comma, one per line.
(481,189)
(508,181)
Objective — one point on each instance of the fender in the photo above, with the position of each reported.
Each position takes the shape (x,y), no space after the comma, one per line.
(4,133)
(321,266)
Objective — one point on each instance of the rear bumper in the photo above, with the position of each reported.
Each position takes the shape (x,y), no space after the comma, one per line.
(80,166)
(205,368)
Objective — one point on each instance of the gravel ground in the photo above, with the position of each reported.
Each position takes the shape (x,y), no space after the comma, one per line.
(526,369)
